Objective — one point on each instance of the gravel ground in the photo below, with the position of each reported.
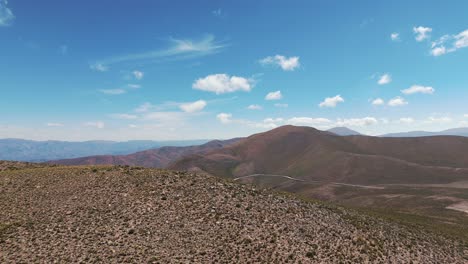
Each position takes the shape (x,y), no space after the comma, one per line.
(136,215)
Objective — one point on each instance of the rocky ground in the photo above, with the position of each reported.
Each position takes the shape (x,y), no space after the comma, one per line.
(135,215)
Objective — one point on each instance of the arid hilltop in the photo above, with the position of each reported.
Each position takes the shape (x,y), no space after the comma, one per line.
(131,214)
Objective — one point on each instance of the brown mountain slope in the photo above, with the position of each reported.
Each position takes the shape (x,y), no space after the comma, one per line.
(309,154)
(134,215)
(156,158)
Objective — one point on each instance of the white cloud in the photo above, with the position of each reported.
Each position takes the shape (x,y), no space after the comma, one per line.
(193,107)
(366,121)
(281,105)
(418,89)
(395,36)
(439,120)
(113,91)
(378,101)
(224,118)
(422,33)
(54,124)
(438,51)
(274,96)
(138,75)
(406,120)
(6,15)
(461,40)
(287,64)
(465,115)
(397,101)
(453,42)
(145,107)
(223,83)
(99,67)
(385,79)
(134,86)
(132,126)
(165,117)
(124,116)
(331,101)
(179,49)
(254,107)
(309,121)
(97,124)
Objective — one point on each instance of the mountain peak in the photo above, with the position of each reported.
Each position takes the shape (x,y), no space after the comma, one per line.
(343,131)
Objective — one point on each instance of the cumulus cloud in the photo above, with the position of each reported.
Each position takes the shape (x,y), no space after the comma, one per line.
(6,15)
(438,51)
(138,75)
(96,124)
(406,120)
(287,64)
(385,79)
(223,83)
(112,91)
(378,101)
(224,118)
(366,121)
(397,101)
(254,107)
(99,67)
(419,89)
(395,36)
(274,96)
(422,33)
(193,106)
(54,124)
(331,101)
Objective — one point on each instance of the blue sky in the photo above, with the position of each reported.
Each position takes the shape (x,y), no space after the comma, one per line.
(122,70)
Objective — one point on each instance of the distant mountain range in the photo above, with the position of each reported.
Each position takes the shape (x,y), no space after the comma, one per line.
(462,131)
(37,151)
(156,158)
(343,131)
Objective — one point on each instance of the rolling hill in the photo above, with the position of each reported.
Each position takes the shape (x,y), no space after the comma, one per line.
(155,158)
(309,154)
(111,214)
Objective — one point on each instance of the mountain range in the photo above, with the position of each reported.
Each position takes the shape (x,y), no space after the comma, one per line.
(461,131)
(37,151)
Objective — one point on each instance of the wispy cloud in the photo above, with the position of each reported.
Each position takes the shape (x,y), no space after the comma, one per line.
(95,124)
(6,15)
(395,36)
(254,107)
(449,43)
(178,49)
(124,116)
(378,101)
(138,75)
(281,105)
(357,122)
(99,67)
(134,86)
(54,124)
(113,91)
